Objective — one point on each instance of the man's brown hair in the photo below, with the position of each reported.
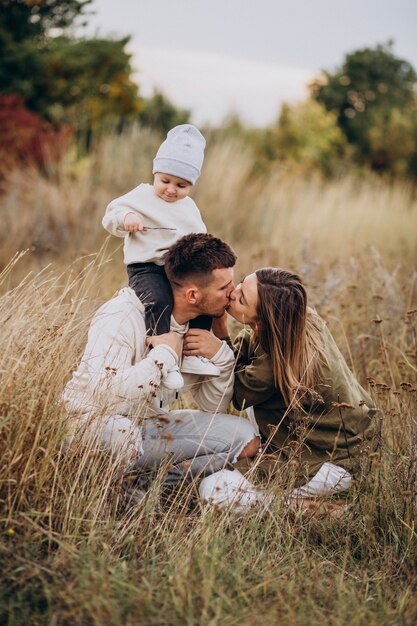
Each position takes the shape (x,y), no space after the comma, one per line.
(195,256)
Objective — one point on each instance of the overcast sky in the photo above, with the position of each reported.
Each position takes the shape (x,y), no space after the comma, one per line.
(248,56)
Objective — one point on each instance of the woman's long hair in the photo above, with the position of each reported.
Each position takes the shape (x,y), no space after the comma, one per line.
(290,334)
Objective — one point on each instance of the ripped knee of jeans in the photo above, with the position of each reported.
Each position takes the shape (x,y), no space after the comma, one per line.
(251,448)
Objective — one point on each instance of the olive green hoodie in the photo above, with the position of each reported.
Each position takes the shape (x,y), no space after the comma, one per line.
(336,421)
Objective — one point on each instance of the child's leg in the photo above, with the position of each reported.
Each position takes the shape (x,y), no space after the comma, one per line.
(198,364)
(152,287)
(202,321)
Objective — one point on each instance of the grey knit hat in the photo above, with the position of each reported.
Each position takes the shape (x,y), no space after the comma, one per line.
(181,154)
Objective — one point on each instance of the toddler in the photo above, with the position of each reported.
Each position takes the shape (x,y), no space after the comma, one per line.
(153,217)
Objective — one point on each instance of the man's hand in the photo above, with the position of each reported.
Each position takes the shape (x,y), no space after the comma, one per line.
(132,223)
(199,342)
(173,340)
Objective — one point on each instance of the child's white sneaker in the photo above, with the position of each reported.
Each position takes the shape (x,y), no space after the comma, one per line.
(173,379)
(199,365)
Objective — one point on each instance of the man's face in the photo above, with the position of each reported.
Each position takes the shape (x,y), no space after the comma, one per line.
(215,297)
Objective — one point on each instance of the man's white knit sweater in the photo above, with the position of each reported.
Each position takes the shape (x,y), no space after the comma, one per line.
(151,246)
(116,376)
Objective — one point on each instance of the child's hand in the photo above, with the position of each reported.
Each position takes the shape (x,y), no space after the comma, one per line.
(133,224)
(173,340)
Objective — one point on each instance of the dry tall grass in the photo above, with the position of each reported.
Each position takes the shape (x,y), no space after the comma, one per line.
(69,554)
(275,217)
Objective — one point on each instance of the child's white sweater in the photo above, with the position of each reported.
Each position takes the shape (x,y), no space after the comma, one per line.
(151,246)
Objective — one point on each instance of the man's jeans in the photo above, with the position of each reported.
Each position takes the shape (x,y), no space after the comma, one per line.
(193,443)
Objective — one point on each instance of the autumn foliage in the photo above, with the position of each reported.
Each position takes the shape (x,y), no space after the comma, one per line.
(27,139)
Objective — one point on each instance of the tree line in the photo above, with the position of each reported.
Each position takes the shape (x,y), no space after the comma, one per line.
(54,85)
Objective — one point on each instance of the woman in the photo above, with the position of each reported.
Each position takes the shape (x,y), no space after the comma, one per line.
(313,415)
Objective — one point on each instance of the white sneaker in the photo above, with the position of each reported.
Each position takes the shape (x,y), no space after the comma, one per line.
(173,379)
(330,479)
(227,489)
(199,365)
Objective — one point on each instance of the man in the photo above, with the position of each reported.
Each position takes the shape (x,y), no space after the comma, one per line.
(115,397)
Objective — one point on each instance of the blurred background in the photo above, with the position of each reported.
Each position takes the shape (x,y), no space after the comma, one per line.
(309,111)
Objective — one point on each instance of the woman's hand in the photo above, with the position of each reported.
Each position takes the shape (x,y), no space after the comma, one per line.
(199,342)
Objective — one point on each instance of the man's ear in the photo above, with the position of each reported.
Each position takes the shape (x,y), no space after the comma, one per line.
(191,295)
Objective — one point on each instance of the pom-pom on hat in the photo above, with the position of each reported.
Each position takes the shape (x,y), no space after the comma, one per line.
(181,154)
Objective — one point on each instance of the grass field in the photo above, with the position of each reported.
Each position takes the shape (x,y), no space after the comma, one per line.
(68,553)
